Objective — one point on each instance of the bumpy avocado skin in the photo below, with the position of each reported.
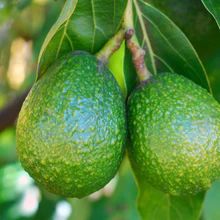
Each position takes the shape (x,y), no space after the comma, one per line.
(174,128)
(71,130)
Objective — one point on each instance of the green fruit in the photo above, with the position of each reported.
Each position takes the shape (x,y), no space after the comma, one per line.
(71,130)
(174,129)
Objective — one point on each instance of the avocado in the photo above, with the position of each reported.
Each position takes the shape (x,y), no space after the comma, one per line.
(71,130)
(174,128)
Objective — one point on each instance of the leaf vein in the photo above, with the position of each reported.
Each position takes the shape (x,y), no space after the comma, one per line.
(164,62)
(62,38)
(69,39)
(170,45)
(94,24)
(145,36)
(201,66)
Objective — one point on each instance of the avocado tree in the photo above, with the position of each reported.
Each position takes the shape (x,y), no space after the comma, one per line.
(127,80)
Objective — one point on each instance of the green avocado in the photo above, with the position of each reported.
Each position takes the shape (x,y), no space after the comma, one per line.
(174,128)
(71,130)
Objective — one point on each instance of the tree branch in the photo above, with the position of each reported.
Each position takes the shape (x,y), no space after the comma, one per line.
(9,113)
(138,53)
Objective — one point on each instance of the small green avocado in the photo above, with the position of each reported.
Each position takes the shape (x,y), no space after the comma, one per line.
(71,130)
(174,128)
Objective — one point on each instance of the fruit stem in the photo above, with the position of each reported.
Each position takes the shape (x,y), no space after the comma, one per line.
(133,45)
(111,46)
(127,32)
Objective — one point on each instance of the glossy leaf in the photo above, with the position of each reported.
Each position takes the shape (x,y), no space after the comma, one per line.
(213,6)
(154,204)
(116,66)
(122,70)
(167,47)
(82,25)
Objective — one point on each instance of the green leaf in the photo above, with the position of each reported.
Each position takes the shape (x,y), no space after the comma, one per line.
(213,6)
(156,205)
(167,47)
(116,66)
(198,24)
(82,25)
(211,203)
(122,70)
(213,65)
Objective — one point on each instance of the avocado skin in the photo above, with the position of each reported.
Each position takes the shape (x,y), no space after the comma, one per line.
(174,128)
(71,130)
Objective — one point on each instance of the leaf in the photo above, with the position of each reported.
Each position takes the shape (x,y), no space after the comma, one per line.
(213,6)
(213,65)
(211,203)
(122,70)
(116,66)
(167,47)
(156,205)
(82,25)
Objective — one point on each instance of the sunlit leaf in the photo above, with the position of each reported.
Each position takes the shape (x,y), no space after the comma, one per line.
(123,71)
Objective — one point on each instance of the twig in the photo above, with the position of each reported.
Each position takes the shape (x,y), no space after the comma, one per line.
(9,113)
(138,53)
(111,46)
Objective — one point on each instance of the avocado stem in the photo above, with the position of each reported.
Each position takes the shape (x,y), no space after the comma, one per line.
(138,53)
(127,32)
(111,46)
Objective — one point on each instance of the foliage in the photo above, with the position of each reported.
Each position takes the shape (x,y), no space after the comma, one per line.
(82,25)
(87,25)
(167,45)
(214,8)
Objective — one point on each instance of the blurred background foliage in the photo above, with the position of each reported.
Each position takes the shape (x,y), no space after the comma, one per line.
(23,27)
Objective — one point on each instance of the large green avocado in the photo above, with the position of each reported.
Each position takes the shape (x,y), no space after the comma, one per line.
(174,128)
(71,130)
